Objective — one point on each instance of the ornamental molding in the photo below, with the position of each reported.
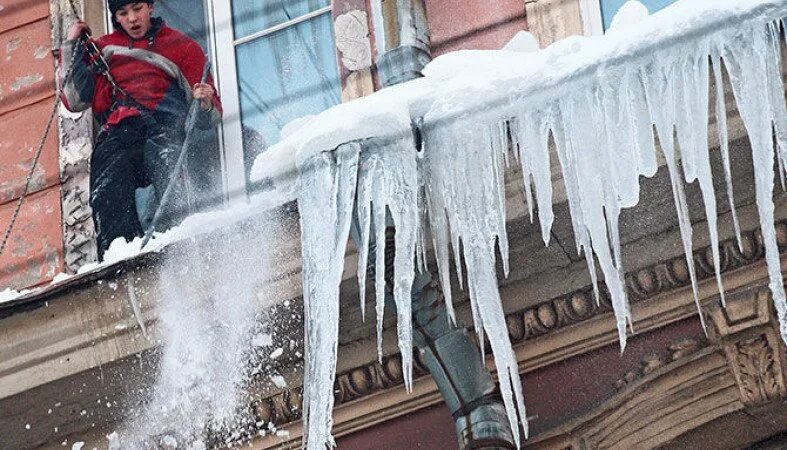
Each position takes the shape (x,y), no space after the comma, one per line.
(738,369)
(351,31)
(748,332)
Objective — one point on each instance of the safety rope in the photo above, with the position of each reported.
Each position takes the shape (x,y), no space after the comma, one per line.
(40,149)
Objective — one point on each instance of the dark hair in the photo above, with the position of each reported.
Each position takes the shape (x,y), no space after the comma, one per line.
(115,5)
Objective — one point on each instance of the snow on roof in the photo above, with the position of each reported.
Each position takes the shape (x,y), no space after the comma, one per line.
(195,225)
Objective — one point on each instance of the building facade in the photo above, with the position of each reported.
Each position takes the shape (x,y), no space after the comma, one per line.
(75,346)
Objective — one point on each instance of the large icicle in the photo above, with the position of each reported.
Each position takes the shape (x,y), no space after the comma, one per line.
(692,131)
(463,167)
(597,194)
(724,143)
(326,196)
(746,58)
(388,186)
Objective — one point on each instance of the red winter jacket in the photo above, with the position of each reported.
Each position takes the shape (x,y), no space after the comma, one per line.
(157,73)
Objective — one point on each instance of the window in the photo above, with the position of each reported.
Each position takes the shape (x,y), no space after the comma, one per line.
(610,7)
(286,66)
(273,61)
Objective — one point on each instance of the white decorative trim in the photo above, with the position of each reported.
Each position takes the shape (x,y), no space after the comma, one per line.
(351,32)
(379,26)
(592,23)
(226,76)
(282,26)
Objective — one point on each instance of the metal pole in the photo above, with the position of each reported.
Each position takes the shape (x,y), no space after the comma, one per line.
(191,120)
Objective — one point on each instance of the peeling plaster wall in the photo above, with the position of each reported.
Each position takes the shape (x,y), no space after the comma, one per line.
(354,47)
(76,145)
(480,24)
(35,249)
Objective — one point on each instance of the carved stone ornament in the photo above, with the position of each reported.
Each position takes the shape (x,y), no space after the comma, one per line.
(352,40)
(748,332)
(760,380)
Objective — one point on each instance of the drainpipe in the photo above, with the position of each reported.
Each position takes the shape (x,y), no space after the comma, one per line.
(402,39)
(449,352)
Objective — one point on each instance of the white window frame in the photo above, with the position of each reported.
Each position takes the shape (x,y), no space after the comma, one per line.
(592,23)
(226,75)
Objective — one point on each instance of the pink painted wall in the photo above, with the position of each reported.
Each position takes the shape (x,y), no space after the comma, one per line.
(477,24)
(35,250)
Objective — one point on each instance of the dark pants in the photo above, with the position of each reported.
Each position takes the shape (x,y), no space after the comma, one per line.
(136,153)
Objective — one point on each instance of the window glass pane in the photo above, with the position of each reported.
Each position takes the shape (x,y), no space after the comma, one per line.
(187,16)
(286,75)
(251,16)
(610,7)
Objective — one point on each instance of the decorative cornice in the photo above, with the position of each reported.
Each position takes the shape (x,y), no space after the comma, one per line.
(676,351)
(738,369)
(548,317)
(748,332)
(641,285)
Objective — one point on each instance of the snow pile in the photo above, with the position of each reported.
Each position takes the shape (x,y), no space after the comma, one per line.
(198,224)
(8,294)
(597,99)
(631,13)
(523,42)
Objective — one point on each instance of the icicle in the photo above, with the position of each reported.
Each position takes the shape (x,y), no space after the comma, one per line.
(660,96)
(499,142)
(401,191)
(621,157)
(326,196)
(363,216)
(379,221)
(525,164)
(464,162)
(532,136)
(724,144)
(642,126)
(566,157)
(581,118)
(776,97)
(746,62)
(388,181)
(692,131)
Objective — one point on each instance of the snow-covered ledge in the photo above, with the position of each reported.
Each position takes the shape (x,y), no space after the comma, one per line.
(433,152)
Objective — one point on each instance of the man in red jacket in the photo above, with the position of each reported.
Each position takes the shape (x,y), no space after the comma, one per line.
(140,106)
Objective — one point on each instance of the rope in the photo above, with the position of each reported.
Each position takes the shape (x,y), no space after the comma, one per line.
(29,176)
(37,156)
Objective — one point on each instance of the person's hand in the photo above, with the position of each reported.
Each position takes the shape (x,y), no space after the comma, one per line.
(76,30)
(204,93)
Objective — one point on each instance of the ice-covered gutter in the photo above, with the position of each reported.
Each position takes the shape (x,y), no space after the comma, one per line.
(596,99)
